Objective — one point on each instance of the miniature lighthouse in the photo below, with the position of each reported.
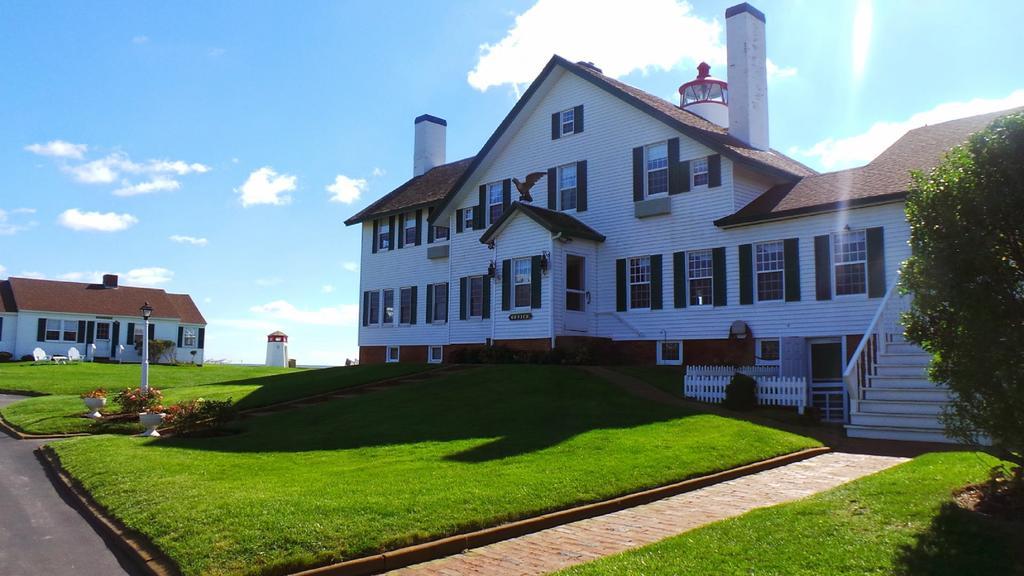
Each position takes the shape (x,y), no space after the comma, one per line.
(277,349)
(706,97)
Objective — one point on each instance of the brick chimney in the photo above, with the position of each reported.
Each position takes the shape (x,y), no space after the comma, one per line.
(110,280)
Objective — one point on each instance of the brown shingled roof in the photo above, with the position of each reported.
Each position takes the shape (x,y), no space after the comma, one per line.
(83,298)
(417,192)
(552,220)
(884,179)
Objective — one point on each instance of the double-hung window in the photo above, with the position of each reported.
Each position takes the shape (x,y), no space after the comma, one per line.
(568,118)
(375,307)
(440,233)
(70,332)
(53,330)
(383,234)
(476,297)
(405,311)
(103,331)
(467,219)
(699,169)
(657,169)
(567,186)
(440,310)
(768,260)
(389,307)
(640,282)
(188,337)
(409,228)
(699,273)
(495,201)
(521,273)
(850,260)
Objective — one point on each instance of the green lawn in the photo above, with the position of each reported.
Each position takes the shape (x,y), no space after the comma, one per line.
(352,477)
(249,386)
(668,378)
(900,521)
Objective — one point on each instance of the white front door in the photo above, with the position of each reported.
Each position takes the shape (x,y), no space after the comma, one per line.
(102,339)
(576,295)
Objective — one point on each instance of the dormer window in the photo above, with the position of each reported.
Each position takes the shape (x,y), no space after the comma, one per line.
(699,170)
(657,169)
(568,122)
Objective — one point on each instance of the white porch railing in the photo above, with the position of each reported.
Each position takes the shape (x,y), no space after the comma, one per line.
(771,390)
(885,328)
(752,371)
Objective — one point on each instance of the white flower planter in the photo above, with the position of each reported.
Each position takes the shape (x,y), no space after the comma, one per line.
(150,421)
(94,405)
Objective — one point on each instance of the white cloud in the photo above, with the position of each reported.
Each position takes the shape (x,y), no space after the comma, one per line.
(140,39)
(58,149)
(861,148)
(96,221)
(327,289)
(152,276)
(775,72)
(265,186)
(207,300)
(10,227)
(32,274)
(91,277)
(341,315)
(378,172)
(158,184)
(863,20)
(269,281)
(109,168)
(350,266)
(346,190)
(188,240)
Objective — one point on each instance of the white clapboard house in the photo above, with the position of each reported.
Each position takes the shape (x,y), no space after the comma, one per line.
(666,233)
(102,321)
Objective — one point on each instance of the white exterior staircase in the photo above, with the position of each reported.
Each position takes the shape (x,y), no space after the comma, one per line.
(887,382)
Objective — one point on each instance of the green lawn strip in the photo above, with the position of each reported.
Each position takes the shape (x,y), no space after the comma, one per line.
(62,413)
(668,378)
(353,477)
(899,521)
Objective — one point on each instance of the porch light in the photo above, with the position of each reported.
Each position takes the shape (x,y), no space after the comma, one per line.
(146,311)
(544,261)
(492,270)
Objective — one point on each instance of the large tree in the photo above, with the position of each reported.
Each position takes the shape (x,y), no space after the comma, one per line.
(967,278)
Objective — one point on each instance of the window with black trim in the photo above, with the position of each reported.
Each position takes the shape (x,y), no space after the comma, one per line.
(699,275)
(769,265)
(188,337)
(657,168)
(405,306)
(640,282)
(440,303)
(476,297)
(567,186)
(521,278)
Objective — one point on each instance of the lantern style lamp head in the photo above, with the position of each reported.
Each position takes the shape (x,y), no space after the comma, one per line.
(146,310)
(492,270)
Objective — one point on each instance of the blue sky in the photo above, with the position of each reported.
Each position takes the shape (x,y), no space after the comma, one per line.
(215,148)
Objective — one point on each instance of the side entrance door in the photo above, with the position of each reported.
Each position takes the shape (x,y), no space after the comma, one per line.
(828,394)
(102,339)
(576,295)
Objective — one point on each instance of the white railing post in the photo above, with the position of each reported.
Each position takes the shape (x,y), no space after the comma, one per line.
(884,326)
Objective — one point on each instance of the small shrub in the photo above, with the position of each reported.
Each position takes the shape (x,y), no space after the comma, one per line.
(159,351)
(741,393)
(199,416)
(28,358)
(97,393)
(811,416)
(6,356)
(133,401)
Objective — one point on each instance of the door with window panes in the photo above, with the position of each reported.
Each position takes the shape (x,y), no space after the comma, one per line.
(576,295)
(102,339)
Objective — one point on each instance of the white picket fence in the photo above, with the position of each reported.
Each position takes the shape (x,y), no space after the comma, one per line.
(752,371)
(771,390)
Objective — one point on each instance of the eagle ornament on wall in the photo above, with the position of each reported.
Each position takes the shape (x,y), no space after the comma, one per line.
(524,187)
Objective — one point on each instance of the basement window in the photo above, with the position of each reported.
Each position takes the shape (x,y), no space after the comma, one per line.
(436,354)
(392,354)
(670,352)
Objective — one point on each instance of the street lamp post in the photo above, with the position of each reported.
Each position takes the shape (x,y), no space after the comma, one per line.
(146,311)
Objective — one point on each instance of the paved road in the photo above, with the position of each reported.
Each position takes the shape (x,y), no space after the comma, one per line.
(40,534)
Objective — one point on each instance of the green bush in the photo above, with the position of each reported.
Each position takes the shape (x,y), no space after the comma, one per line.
(195,417)
(6,356)
(741,393)
(133,401)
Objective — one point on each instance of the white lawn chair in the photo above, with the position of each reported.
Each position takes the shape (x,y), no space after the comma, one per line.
(74,355)
(39,355)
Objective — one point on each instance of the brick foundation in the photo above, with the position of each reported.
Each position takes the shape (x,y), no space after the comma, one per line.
(718,352)
(526,344)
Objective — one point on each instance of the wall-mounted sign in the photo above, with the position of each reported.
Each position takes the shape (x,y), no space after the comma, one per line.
(520,316)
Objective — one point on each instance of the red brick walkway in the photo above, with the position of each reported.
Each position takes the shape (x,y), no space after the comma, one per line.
(563,546)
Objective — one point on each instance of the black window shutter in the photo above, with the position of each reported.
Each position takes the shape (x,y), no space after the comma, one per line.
(366,308)
(181,335)
(80,337)
(463,297)
(656,282)
(1,328)
(391,232)
(506,194)
(202,339)
(447,299)
(480,213)
(115,335)
(577,119)
(822,268)
(412,304)
(129,337)
(581,186)
(535,293)
(679,279)
(719,293)
(746,255)
(684,169)
(89,331)
(401,231)
(428,317)
(552,188)
(876,262)
(430,228)
(419,227)
(506,285)
(675,168)
(714,170)
(556,126)
(373,241)
(458,220)
(486,292)
(152,332)
(638,173)
(620,284)
(791,267)
(41,330)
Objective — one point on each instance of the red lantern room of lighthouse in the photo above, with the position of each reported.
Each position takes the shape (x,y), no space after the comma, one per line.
(706,96)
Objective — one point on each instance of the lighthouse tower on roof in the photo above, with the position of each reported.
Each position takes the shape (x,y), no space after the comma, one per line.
(706,97)
(277,349)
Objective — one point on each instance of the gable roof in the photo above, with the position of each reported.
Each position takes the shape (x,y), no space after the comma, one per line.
(557,222)
(708,133)
(84,298)
(883,180)
(417,192)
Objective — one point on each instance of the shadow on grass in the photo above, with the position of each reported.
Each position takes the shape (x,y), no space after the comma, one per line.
(962,542)
(508,413)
